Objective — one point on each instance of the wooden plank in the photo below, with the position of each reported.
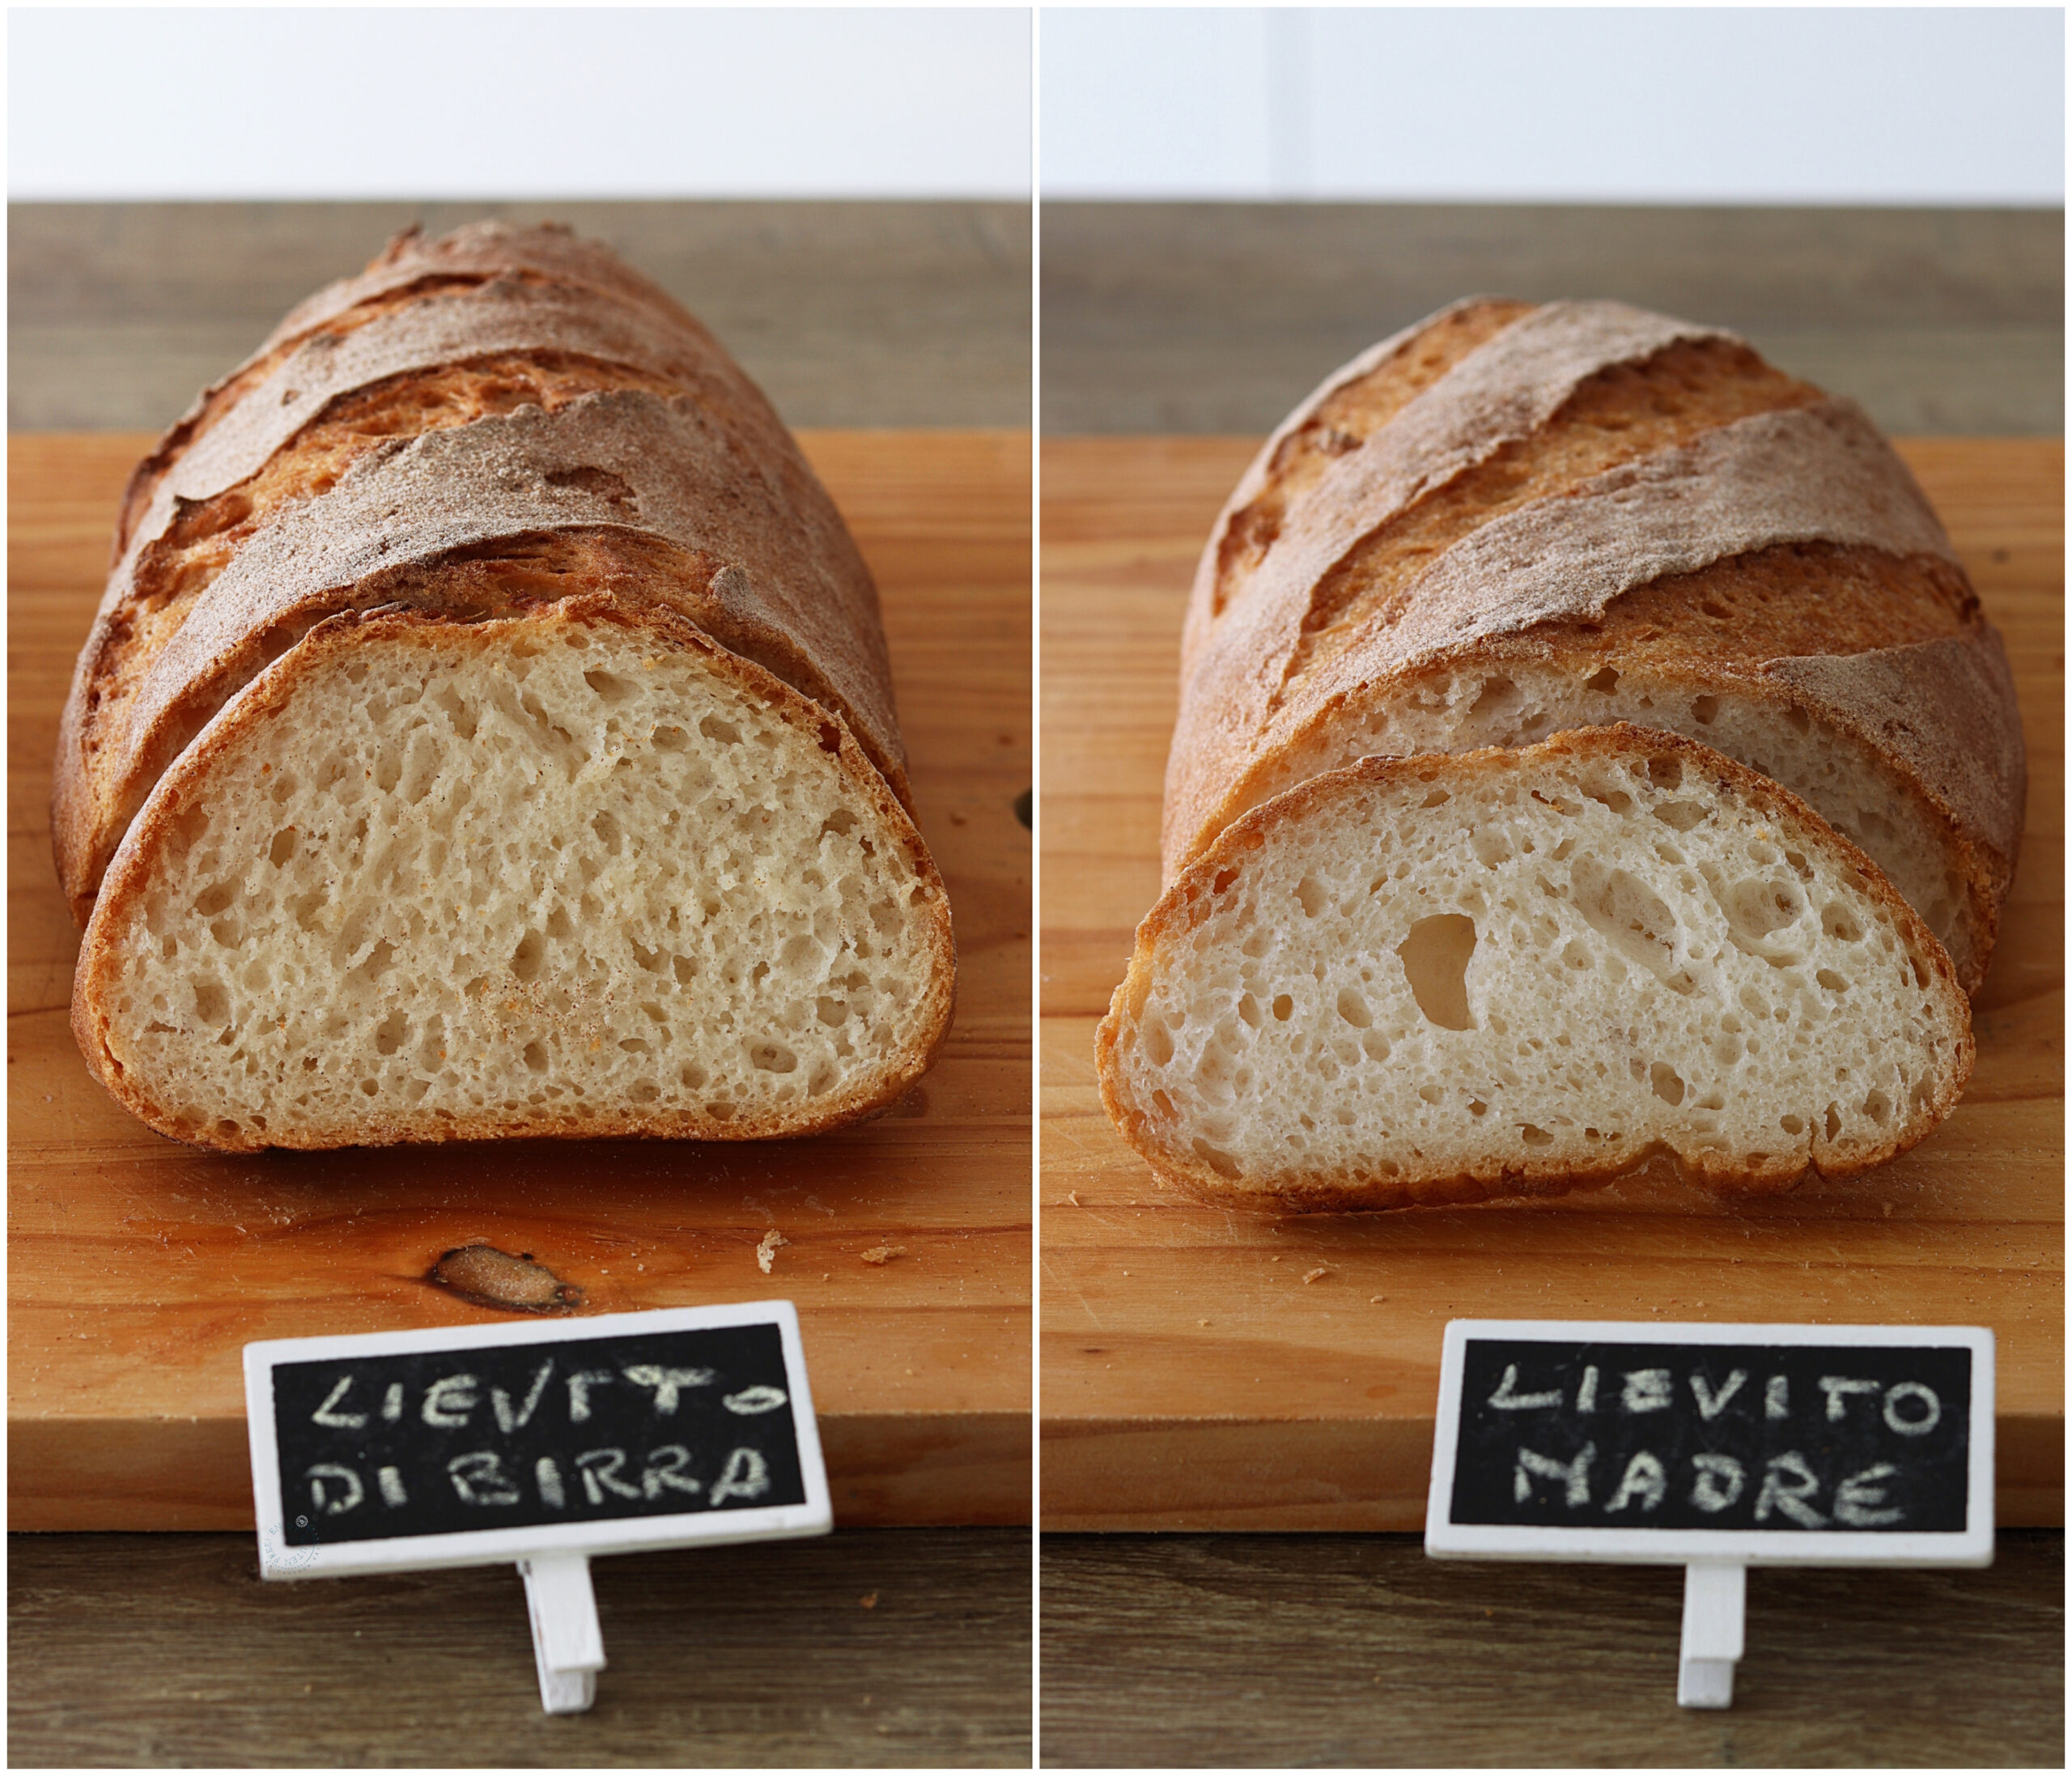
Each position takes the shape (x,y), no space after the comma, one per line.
(1300,1652)
(890,1647)
(140,1267)
(1218,318)
(1194,1379)
(847,313)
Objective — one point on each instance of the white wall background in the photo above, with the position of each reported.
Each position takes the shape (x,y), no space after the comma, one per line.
(1932,105)
(538,102)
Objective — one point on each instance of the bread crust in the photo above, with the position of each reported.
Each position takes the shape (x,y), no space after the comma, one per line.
(185,784)
(1621,566)
(676,446)
(1187,901)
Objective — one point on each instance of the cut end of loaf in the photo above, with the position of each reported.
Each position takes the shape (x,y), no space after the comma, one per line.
(1432,979)
(575,873)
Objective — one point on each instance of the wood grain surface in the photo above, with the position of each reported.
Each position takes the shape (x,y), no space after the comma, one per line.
(1277,1650)
(1209,1370)
(1218,318)
(139,1267)
(891,1648)
(847,314)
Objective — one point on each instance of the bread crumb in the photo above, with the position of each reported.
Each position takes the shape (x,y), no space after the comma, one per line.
(884,1254)
(1201,1323)
(1371,1298)
(1311,1275)
(868,1600)
(767,1251)
(1072,1196)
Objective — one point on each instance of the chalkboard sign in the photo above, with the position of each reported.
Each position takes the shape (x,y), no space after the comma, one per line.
(1759,1444)
(464,1446)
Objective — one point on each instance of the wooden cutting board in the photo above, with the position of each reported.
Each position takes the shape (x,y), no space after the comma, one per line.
(139,1267)
(1206,1369)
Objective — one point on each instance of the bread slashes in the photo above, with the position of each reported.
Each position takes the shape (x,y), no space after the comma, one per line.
(1512,522)
(488,730)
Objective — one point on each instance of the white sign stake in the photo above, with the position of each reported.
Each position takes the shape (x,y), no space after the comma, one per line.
(1715,1605)
(540,1444)
(567,1645)
(1715,1448)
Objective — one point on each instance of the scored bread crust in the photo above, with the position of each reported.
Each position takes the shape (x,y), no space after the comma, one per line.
(250,717)
(1590,484)
(1190,899)
(412,265)
(656,432)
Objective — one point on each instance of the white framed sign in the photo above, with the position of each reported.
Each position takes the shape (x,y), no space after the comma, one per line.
(542,1444)
(1714,1447)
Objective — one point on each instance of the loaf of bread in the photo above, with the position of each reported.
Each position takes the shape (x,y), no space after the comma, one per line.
(1512,522)
(488,730)
(1508,520)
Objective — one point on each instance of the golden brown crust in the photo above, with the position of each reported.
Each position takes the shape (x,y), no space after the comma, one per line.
(1188,901)
(1587,479)
(257,705)
(269,498)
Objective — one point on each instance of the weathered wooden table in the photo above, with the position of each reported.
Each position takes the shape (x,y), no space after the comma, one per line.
(154,1263)
(1193,1380)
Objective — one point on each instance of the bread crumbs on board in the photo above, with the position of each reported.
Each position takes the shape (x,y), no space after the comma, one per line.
(1311,1275)
(767,1252)
(884,1254)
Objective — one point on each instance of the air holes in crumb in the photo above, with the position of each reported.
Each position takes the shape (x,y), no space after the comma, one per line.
(1283,1007)
(535,1056)
(1495,695)
(830,737)
(1834,1122)
(1801,722)
(211,1003)
(1491,846)
(713,728)
(1877,1106)
(1158,1044)
(1833,981)
(1616,800)
(1248,1009)
(215,899)
(609,685)
(1836,922)
(770,1057)
(1756,908)
(1223,878)
(1791,1125)
(671,739)
(1352,1008)
(1606,681)
(1217,1161)
(1435,957)
(283,847)
(1435,798)
(388,1036)
(531,952)
(1164,1105)
(1635,921)
(1311,895)
(605,826)
(1666,773)
(1704,711)
(1535,1138)
(1668,1085)
(1681,815)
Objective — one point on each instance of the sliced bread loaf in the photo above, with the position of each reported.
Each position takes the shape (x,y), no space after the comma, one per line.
(488,729)
(1502,972)
(1510,519)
